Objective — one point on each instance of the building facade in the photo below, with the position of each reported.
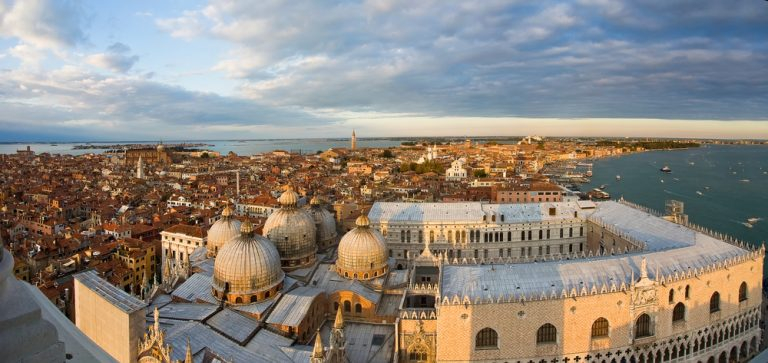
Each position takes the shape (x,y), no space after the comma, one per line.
(180,240)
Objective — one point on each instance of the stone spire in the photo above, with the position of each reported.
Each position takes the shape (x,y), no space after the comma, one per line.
(336,353)
(188,357)
(339,323)
(318,352)
(353,144)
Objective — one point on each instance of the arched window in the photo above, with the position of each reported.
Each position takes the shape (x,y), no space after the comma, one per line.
(743,292)
(418,354)
(486,338)
(643,326)
(678,313)
(358,308)
(238,300)
(600,328)
(671,295)
(547,333)
(714,303)
(687,291)
(431,236)
(347,306)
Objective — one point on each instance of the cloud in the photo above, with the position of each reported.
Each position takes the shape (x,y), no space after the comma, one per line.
(47,24)
(70,98)
(116,58)
(650,58)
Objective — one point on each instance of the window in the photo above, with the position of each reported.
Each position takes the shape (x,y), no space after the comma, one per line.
(358,308)
(687,291)
(547,333)
(643,326)
(678,313)
(671,295)
(600,328)
(486,338)
(714,303)
(743,292)
(347,306)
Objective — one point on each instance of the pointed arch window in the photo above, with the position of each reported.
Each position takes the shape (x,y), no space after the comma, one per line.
(546,334)
(486,338)
(678,313)
(714,303)
(643,326)
(600,328)
(743,292)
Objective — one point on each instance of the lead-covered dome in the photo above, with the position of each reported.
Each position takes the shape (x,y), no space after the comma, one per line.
(222,231)
(325,223)
(247,269)
(292,230)
(362,254)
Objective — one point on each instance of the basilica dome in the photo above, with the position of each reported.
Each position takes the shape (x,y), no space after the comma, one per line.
(362,254)
(292,230)
(222,231)
(247,269)
(325,223)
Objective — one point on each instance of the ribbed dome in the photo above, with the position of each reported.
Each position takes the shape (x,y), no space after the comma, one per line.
(221,232)
(325,223)
(362,252)
(250,265)
(293,232)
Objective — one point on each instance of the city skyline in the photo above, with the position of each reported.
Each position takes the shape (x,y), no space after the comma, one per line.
(87,70)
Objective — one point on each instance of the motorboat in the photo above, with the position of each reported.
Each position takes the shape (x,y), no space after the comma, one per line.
(666,169)
(618,177)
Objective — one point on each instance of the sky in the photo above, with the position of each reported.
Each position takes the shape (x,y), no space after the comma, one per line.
(222,69)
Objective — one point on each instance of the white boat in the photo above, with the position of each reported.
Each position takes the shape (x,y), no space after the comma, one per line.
(662,180)
(746,224)
(699,193)
(618,177)
(753,220)
(744,180)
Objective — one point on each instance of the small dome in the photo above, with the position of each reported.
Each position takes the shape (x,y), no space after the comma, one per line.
(293,232)
(325,223)
(247,268)
(222,231)
(362,254)
(160,147)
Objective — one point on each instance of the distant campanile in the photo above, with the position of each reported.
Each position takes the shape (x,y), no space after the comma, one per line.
(354,140)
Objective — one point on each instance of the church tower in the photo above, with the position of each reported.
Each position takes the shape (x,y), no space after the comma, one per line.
(140,169)
(354,141)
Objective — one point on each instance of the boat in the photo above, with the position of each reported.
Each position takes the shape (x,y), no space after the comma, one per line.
(588,173)
(666,169)
(662,180)
(584,164)
(753,220)
(744,180)
(618,177)
(675,179)
(603,186)
(598,194)
(691,163)
(748,225)
(699,193)
(706,188)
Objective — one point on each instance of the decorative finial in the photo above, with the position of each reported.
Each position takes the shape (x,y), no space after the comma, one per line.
(363,221)
(246,228)
(339,323)
(227,212)
(643,269)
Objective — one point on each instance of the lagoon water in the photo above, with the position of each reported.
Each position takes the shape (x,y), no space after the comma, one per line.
(723,207)
(244,147)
